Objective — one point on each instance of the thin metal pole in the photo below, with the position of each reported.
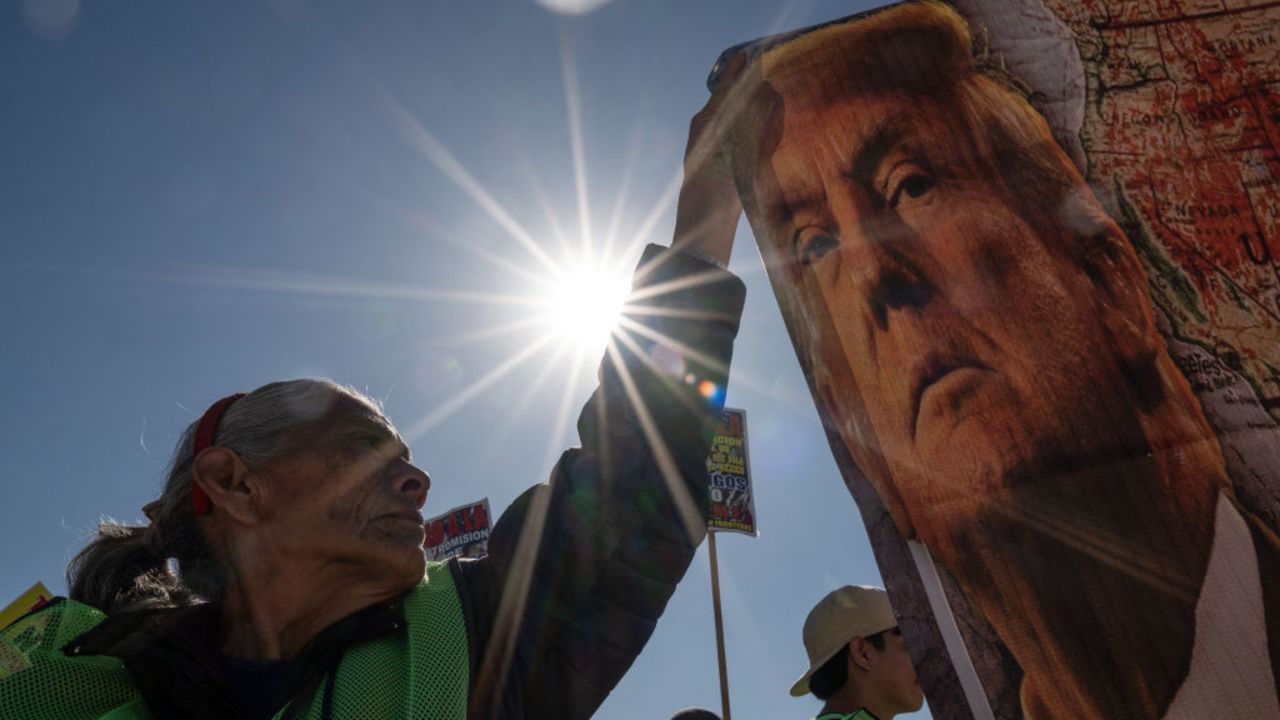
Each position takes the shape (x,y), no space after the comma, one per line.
(715,603)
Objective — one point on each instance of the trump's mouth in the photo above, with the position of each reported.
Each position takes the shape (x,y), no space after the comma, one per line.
(931,374)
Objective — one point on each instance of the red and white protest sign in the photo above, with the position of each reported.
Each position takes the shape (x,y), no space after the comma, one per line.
(461,532)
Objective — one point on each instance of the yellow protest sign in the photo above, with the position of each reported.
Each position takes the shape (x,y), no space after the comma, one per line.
(34,598)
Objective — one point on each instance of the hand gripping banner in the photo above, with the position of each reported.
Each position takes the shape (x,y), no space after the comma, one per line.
(1027,254)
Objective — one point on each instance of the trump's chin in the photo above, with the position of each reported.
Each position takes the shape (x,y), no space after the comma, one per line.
(966,412)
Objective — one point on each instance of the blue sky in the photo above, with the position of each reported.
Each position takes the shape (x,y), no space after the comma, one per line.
(197,198)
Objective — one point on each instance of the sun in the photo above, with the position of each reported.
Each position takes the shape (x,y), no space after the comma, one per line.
(583,305)
(564,289)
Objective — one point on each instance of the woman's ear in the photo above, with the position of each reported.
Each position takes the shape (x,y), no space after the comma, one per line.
(227,481)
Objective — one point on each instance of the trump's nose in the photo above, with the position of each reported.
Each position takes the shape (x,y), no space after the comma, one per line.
(884,277)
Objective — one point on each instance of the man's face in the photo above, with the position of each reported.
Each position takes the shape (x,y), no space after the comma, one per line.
(347,494)
(956,346)
(894,676)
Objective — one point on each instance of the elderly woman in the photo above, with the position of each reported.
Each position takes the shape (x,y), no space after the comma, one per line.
(282,573)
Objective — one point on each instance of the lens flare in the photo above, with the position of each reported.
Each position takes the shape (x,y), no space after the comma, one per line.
(572,7)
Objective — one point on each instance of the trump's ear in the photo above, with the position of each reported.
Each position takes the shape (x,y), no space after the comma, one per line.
(1109,261)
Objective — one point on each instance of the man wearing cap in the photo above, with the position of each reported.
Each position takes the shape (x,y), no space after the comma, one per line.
(858,660)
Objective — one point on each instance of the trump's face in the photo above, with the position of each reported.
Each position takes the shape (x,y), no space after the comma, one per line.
(956,345)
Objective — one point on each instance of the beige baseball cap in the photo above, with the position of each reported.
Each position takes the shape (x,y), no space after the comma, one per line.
(844,614)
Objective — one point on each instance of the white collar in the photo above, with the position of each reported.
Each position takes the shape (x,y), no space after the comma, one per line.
(1230,674)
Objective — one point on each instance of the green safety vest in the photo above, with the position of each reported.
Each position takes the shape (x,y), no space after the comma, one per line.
(422,672)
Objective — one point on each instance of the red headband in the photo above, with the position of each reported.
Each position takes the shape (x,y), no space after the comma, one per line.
(205,432)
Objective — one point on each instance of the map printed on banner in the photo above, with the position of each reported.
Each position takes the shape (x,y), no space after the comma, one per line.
(462,532)
(733,506)
(1174,115)
(1196,87)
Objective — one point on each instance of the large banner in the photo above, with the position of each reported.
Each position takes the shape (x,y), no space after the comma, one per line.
(461,532)
(1027,254)
(733,504)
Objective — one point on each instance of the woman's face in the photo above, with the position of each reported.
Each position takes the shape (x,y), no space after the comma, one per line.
(344,492)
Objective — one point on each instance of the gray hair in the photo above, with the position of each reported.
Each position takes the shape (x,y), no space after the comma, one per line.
(125,566)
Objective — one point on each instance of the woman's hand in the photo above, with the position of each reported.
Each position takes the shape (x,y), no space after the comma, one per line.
(709,207)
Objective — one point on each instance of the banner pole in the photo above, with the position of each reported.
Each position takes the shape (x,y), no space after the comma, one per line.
(715,604)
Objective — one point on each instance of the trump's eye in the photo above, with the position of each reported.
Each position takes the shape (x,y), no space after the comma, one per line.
(813,244)
(907,181)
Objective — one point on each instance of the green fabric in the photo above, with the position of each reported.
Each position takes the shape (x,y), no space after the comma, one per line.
(38,681)
(860,715)
(422,673)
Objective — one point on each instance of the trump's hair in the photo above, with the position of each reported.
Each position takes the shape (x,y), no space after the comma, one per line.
(923,50)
